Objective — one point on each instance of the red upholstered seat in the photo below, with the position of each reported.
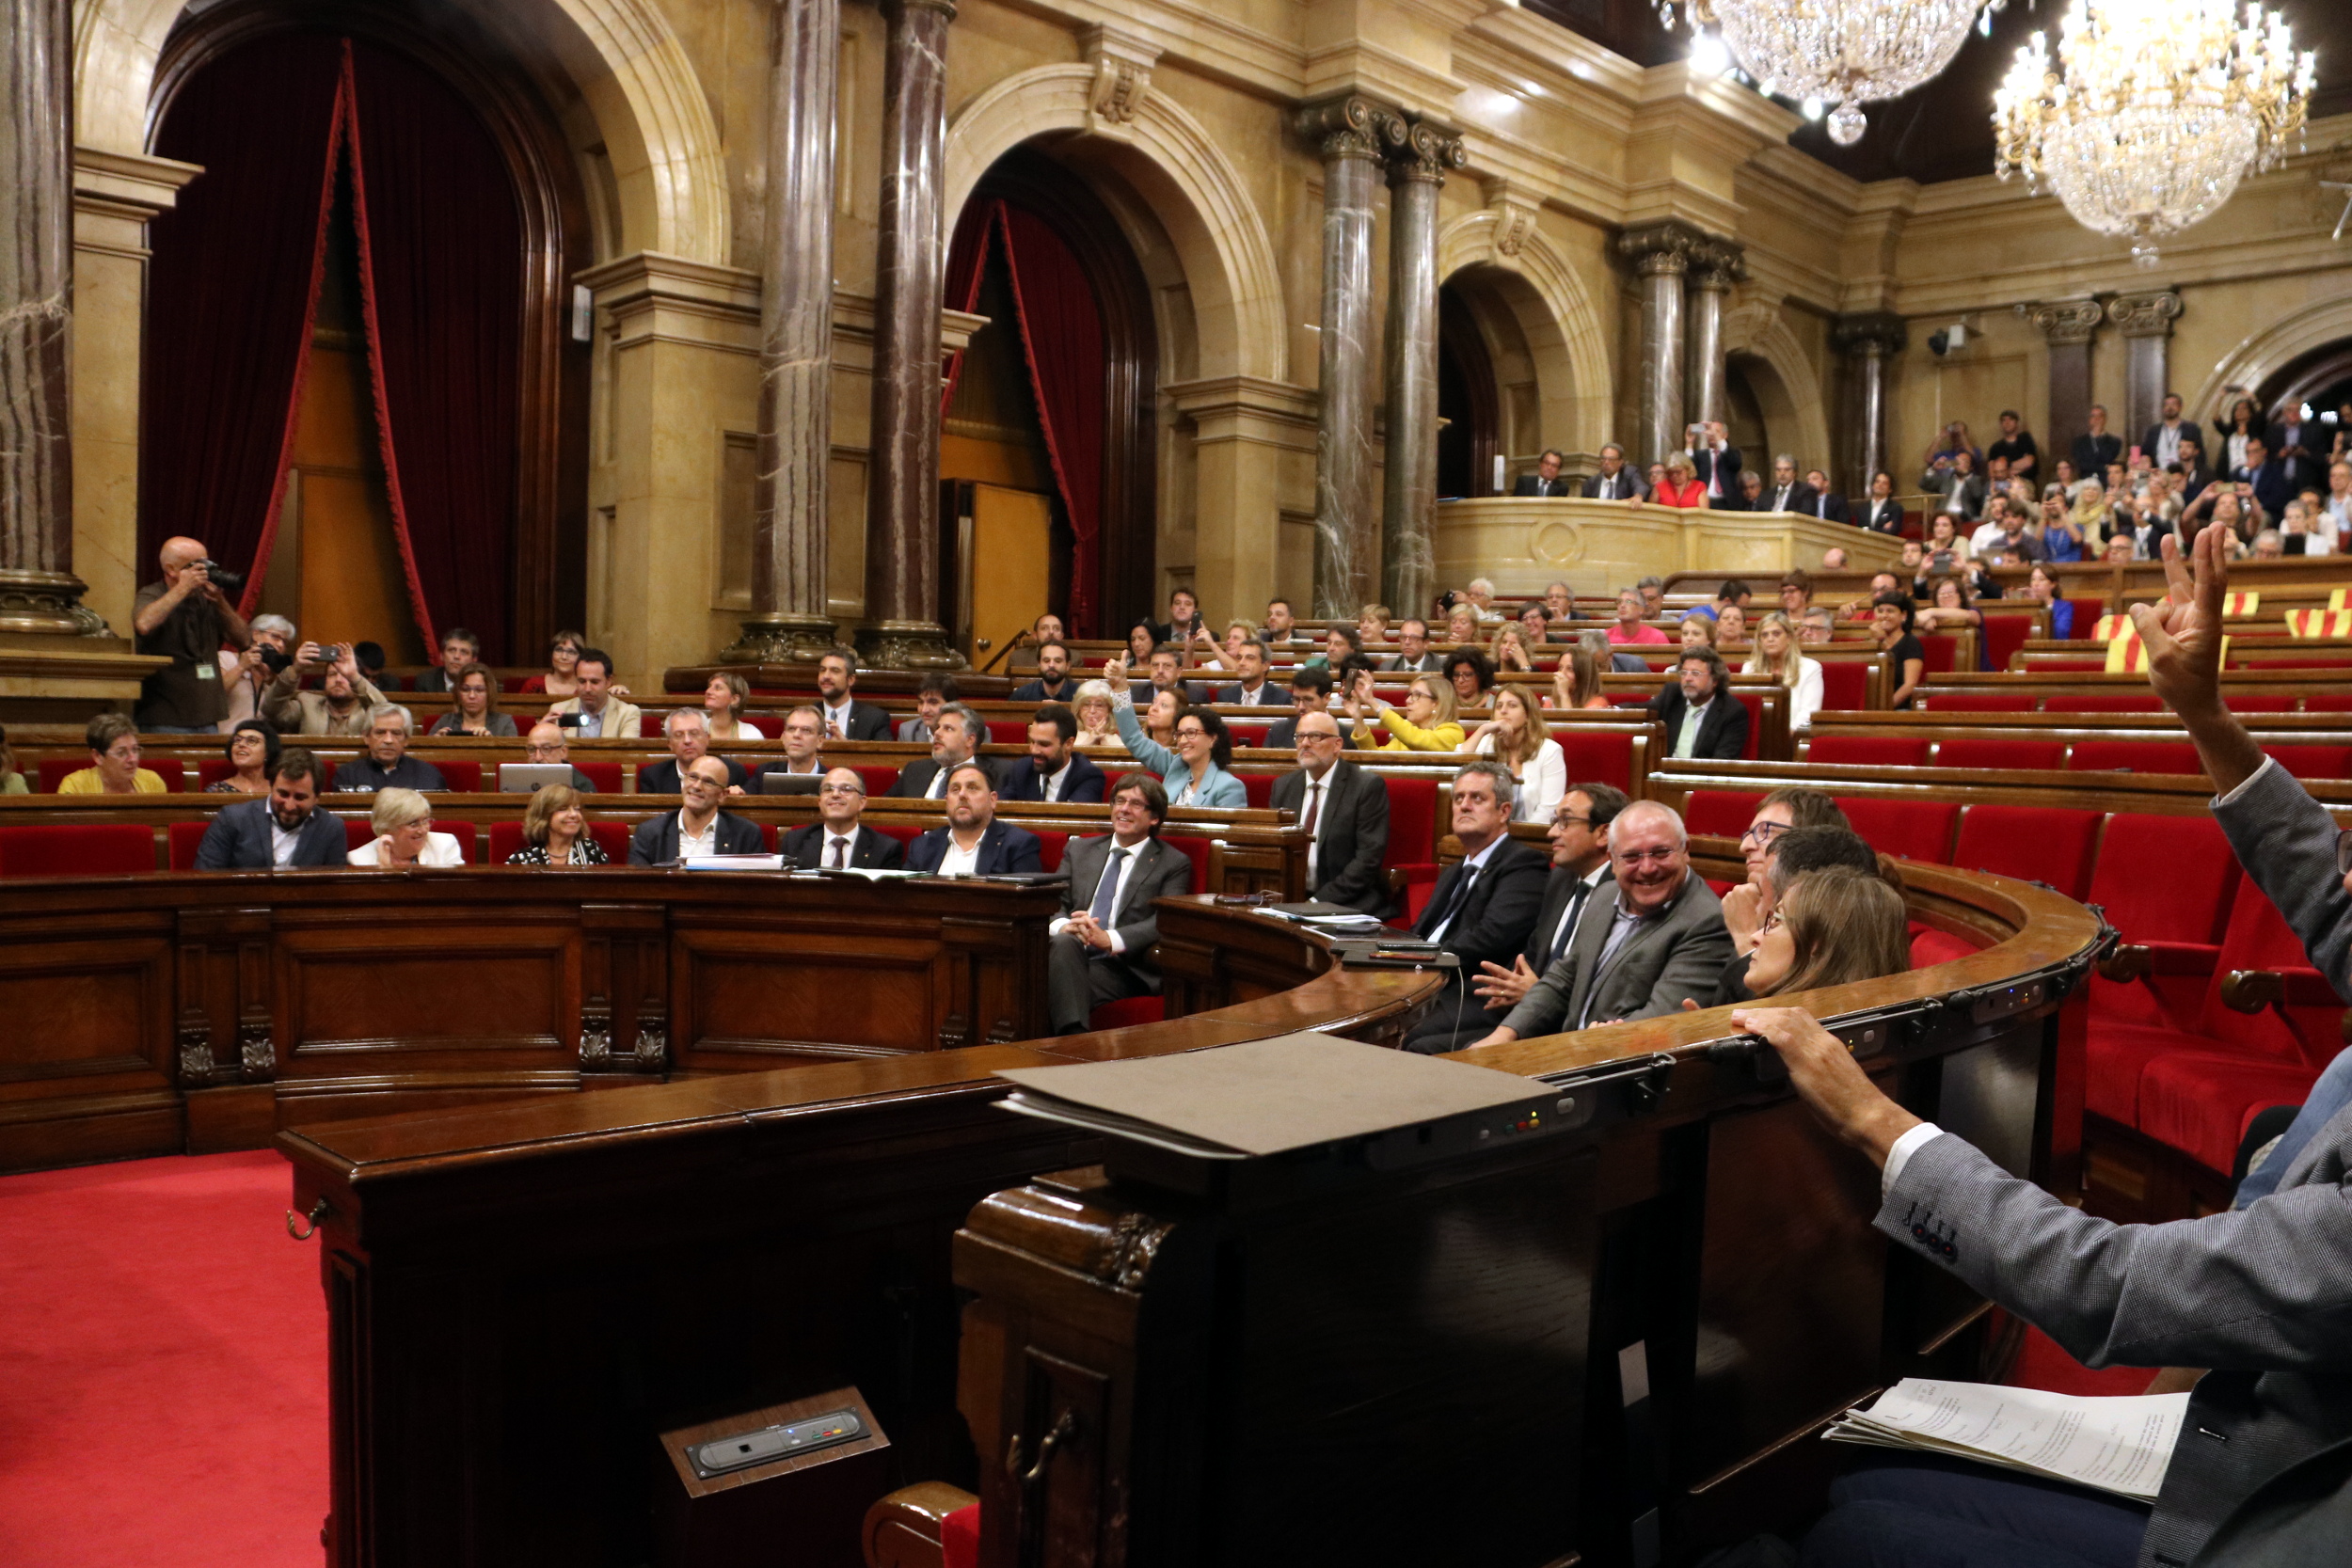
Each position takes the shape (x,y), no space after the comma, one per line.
(2133,756)
(1845,683)
(2066,666)
(959,1534)
(464,778)
(2314,762)
(358,831)
(1258,786)
(211,774)
(878,778)
(1124,1013)
(2003,634)
(186,839)
(1939,652)
(2044,844)
(1249,735)
(1413,832)
(1753,702)
(650,725)
(2308,662)
(2250,701)
(2089,701)
(111,849)
(2165,884)
(2325,701)
(506,840)
(1976,702)
(1051,843)
(1008,731)
(1868,750)
(1196,850)
(511,684)
(1930,946)
(1595,759)
(2199,1103)
(1915,830)
(613,838)
(905,833)
(2047,757)
(606,776)
(1725,812)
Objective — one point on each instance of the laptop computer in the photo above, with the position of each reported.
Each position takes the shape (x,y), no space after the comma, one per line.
(523,778)
(789,783)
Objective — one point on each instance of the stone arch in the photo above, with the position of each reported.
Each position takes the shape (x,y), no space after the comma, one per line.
(1190,186)
(1562,329)
(1789,392)
(2262,356)
(623,56)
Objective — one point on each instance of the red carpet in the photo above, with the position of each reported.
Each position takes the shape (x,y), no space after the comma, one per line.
(163,1369)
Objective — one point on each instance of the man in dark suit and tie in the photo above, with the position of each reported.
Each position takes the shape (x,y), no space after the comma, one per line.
(836,840)
(1701,718)
(1485,904)
(687,730)
(1310,692)
(1345,812)
(1054,683)
(1101,947)
(1884,514)
(1616,480)
(1580,872)
(1413,655)
(1659,941)
(956,737)
(1253,689)
(1715,463)
(2290,441)
(698,827)
(2267,476)
(1786,492)
(1057,769)
(846,718)
(1545,482)
(283,832)
(974,843)
(1826,504)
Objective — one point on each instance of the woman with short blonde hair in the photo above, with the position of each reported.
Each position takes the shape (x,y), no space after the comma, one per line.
(723,699)
(555,831)
(1427,722)
(1092,706)
(402,820)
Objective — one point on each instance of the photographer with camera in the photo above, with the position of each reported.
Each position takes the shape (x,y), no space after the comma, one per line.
(340,705)
(248,673)
(187,619)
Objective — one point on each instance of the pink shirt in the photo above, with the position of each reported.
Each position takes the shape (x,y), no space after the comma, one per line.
(1618,635)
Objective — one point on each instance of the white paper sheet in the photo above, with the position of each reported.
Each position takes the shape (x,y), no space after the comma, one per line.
(2115,1445)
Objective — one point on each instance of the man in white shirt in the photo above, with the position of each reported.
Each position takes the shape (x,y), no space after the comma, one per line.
(956,737)
(1101,944)
(836,840)
(803,736)
(847,718)
(1253,690)
(698,827)
(1282,625)
(974,843)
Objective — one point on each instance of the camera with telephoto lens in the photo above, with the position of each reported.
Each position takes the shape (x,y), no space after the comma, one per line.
(231,582)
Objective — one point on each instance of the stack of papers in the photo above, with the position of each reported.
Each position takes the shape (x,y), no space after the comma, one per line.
(2115,1445)
(1335,920)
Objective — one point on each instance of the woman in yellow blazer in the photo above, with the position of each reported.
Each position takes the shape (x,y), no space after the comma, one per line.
(114,770)
(1425,723)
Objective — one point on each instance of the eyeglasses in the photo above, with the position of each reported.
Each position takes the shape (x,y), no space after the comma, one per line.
(1772,923)
(841,789)
(1195,733)
(1639,857)
(1584,820)
(1763,832)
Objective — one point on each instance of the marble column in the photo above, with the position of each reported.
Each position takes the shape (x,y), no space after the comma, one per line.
(2146,321)
(1662,253)
(903,587)
(1868,341)
(2068,324)
(788,622)
(1348,134)
(1419,156)
(1713,271)
(38,592)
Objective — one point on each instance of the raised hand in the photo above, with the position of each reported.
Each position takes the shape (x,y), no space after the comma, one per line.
(2183,632)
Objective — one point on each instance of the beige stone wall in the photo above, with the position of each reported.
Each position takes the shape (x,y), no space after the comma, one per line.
(666,103)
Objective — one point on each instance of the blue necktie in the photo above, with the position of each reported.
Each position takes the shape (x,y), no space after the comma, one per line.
(1106,891)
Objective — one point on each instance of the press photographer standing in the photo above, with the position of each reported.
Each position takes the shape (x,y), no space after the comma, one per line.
(188,620)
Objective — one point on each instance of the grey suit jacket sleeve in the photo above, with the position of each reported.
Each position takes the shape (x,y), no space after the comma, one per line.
(2268,1288)
(1169,878)
(1693,967)
(2286,841)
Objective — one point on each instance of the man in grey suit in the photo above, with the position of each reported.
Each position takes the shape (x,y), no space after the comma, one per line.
(2261,1296)
(1101,949)
(1662,938)
(1345,810)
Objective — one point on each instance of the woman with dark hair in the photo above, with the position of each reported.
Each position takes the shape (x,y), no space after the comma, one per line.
(2041,587)
(1948,606)
(1892,618)
(1471,677)
(563,650)
(2243,423)
(473,706)
(1140,641)
(1575,683)
(1834,926)
(254,747)
(1194,769)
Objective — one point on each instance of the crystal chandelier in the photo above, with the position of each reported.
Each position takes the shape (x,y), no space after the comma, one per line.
(2154,110)
(1841,52)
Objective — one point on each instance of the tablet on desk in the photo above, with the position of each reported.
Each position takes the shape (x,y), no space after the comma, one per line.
(521,777)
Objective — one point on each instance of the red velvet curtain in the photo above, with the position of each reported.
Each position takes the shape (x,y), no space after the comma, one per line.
(1060,329)
(232,292)
(441,263)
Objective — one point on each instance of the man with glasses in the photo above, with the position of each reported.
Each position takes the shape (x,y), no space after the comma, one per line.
(1485,904)
(836,841)
(1414,655)
(1658,942)
(1344,811)
(803,736)
(1310,692)
(688,730)
(1579,869)
(546,743)
(697,828)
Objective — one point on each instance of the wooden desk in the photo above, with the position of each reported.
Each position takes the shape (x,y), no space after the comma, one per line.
(608,1266)
(206,1010)
(1524,545)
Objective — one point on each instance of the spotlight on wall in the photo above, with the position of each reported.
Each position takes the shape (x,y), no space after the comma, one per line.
(1946,340)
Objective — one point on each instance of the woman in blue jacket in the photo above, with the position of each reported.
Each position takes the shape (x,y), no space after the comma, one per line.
(1195,773)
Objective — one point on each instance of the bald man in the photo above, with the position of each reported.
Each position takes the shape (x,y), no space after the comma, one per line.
(188,620)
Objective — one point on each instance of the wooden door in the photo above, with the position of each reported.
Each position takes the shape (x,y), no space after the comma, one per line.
(1009,565)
